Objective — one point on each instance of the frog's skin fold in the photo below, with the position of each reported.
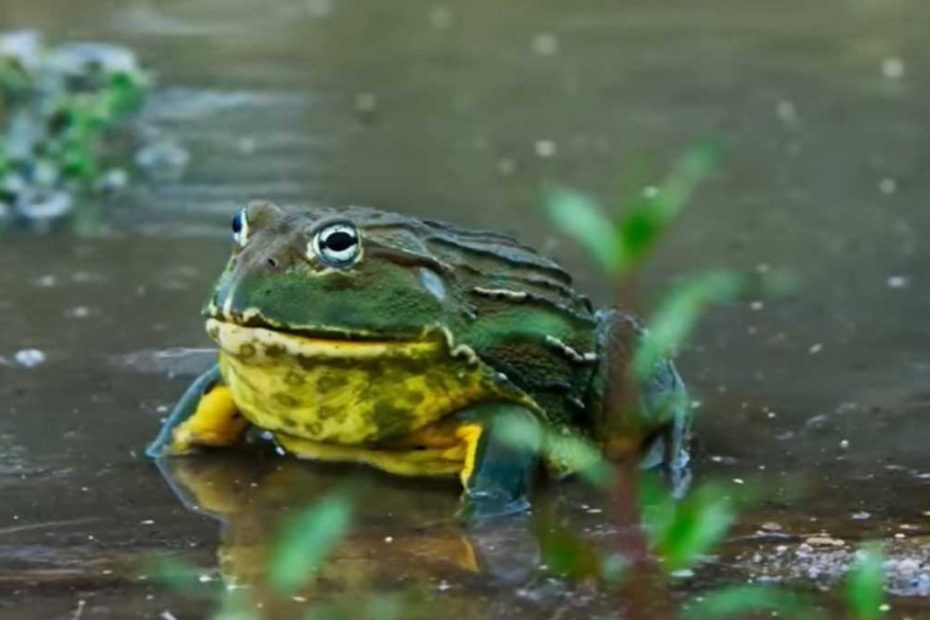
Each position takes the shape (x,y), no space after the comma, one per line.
(361,335)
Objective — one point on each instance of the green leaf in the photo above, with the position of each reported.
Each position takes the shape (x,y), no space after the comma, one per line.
(175,574)
(575,453)
(236,605)
(673,321)
(579,216)
(567,450)
(865,585)
(307,539)
(698,523)
(651,215)
(689,171)
(618,245)
(739,600)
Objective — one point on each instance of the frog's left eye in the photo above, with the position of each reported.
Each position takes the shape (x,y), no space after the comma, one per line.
(240,228)
(337,244)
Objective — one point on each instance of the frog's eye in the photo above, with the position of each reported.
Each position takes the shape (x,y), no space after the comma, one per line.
(240,228)
(337,244)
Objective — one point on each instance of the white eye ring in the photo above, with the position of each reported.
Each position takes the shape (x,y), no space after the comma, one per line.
(240,227)
(337,245)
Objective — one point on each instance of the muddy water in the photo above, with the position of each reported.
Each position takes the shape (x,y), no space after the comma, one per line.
(461,112)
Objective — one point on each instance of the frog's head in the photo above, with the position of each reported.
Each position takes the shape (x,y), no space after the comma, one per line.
(350,273)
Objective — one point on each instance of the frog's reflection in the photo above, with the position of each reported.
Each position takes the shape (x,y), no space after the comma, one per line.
(404,532)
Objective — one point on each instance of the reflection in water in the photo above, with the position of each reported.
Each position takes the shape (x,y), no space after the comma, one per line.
(405,538)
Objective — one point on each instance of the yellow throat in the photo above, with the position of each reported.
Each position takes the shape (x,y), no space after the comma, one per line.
(343,392)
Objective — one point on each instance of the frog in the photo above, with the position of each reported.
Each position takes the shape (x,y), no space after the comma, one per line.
(418,347)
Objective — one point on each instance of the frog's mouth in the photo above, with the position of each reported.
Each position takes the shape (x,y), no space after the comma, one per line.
(266,343)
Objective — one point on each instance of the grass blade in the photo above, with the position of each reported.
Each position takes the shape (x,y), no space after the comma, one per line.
(306,541)
(579,216)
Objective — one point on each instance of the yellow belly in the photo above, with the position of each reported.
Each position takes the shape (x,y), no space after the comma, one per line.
(335,400)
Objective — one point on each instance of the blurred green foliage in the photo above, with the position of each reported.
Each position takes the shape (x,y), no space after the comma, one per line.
(681,531)
(57,106)
(677,314)
(178,575)
(736,601)
(620,244)
(307,539)
(865,584)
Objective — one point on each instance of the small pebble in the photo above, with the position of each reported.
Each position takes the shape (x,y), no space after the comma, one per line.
(824,541)
(898,281)
(29,358)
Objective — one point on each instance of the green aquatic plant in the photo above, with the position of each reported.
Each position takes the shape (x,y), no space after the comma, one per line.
(679,311)
(58,109)
(682,531)
(738,601)
(307,540)
(865,584)
(662,534)
(620,243)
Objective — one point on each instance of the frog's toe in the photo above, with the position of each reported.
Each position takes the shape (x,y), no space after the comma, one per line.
(159,448)
(176,443)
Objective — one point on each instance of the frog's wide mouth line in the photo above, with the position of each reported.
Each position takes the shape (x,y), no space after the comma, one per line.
(249,341)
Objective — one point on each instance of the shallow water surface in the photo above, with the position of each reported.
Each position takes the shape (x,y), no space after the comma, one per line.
(461,112)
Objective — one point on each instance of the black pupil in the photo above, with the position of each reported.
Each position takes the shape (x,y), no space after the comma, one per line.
(237,223)
(338,241)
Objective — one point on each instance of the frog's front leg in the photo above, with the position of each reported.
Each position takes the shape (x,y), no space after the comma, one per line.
(205,416)
(499,467)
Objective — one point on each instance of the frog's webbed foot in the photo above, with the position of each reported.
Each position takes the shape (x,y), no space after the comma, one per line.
(204,416)
(499,468)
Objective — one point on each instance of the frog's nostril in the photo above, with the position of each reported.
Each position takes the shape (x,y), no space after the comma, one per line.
(272,262)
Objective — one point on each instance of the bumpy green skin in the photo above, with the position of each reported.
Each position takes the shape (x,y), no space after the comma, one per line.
(514,309)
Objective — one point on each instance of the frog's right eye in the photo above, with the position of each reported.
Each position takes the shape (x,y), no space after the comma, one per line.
(240,228)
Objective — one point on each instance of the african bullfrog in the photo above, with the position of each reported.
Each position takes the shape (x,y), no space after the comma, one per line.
(414,346)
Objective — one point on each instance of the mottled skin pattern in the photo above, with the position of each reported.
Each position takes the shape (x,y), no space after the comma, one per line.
(363,335)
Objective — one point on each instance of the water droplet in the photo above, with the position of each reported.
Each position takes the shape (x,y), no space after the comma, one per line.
(893,68)
(546,148)
(898,281)
(888,186)
(545,44)
(440,17)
